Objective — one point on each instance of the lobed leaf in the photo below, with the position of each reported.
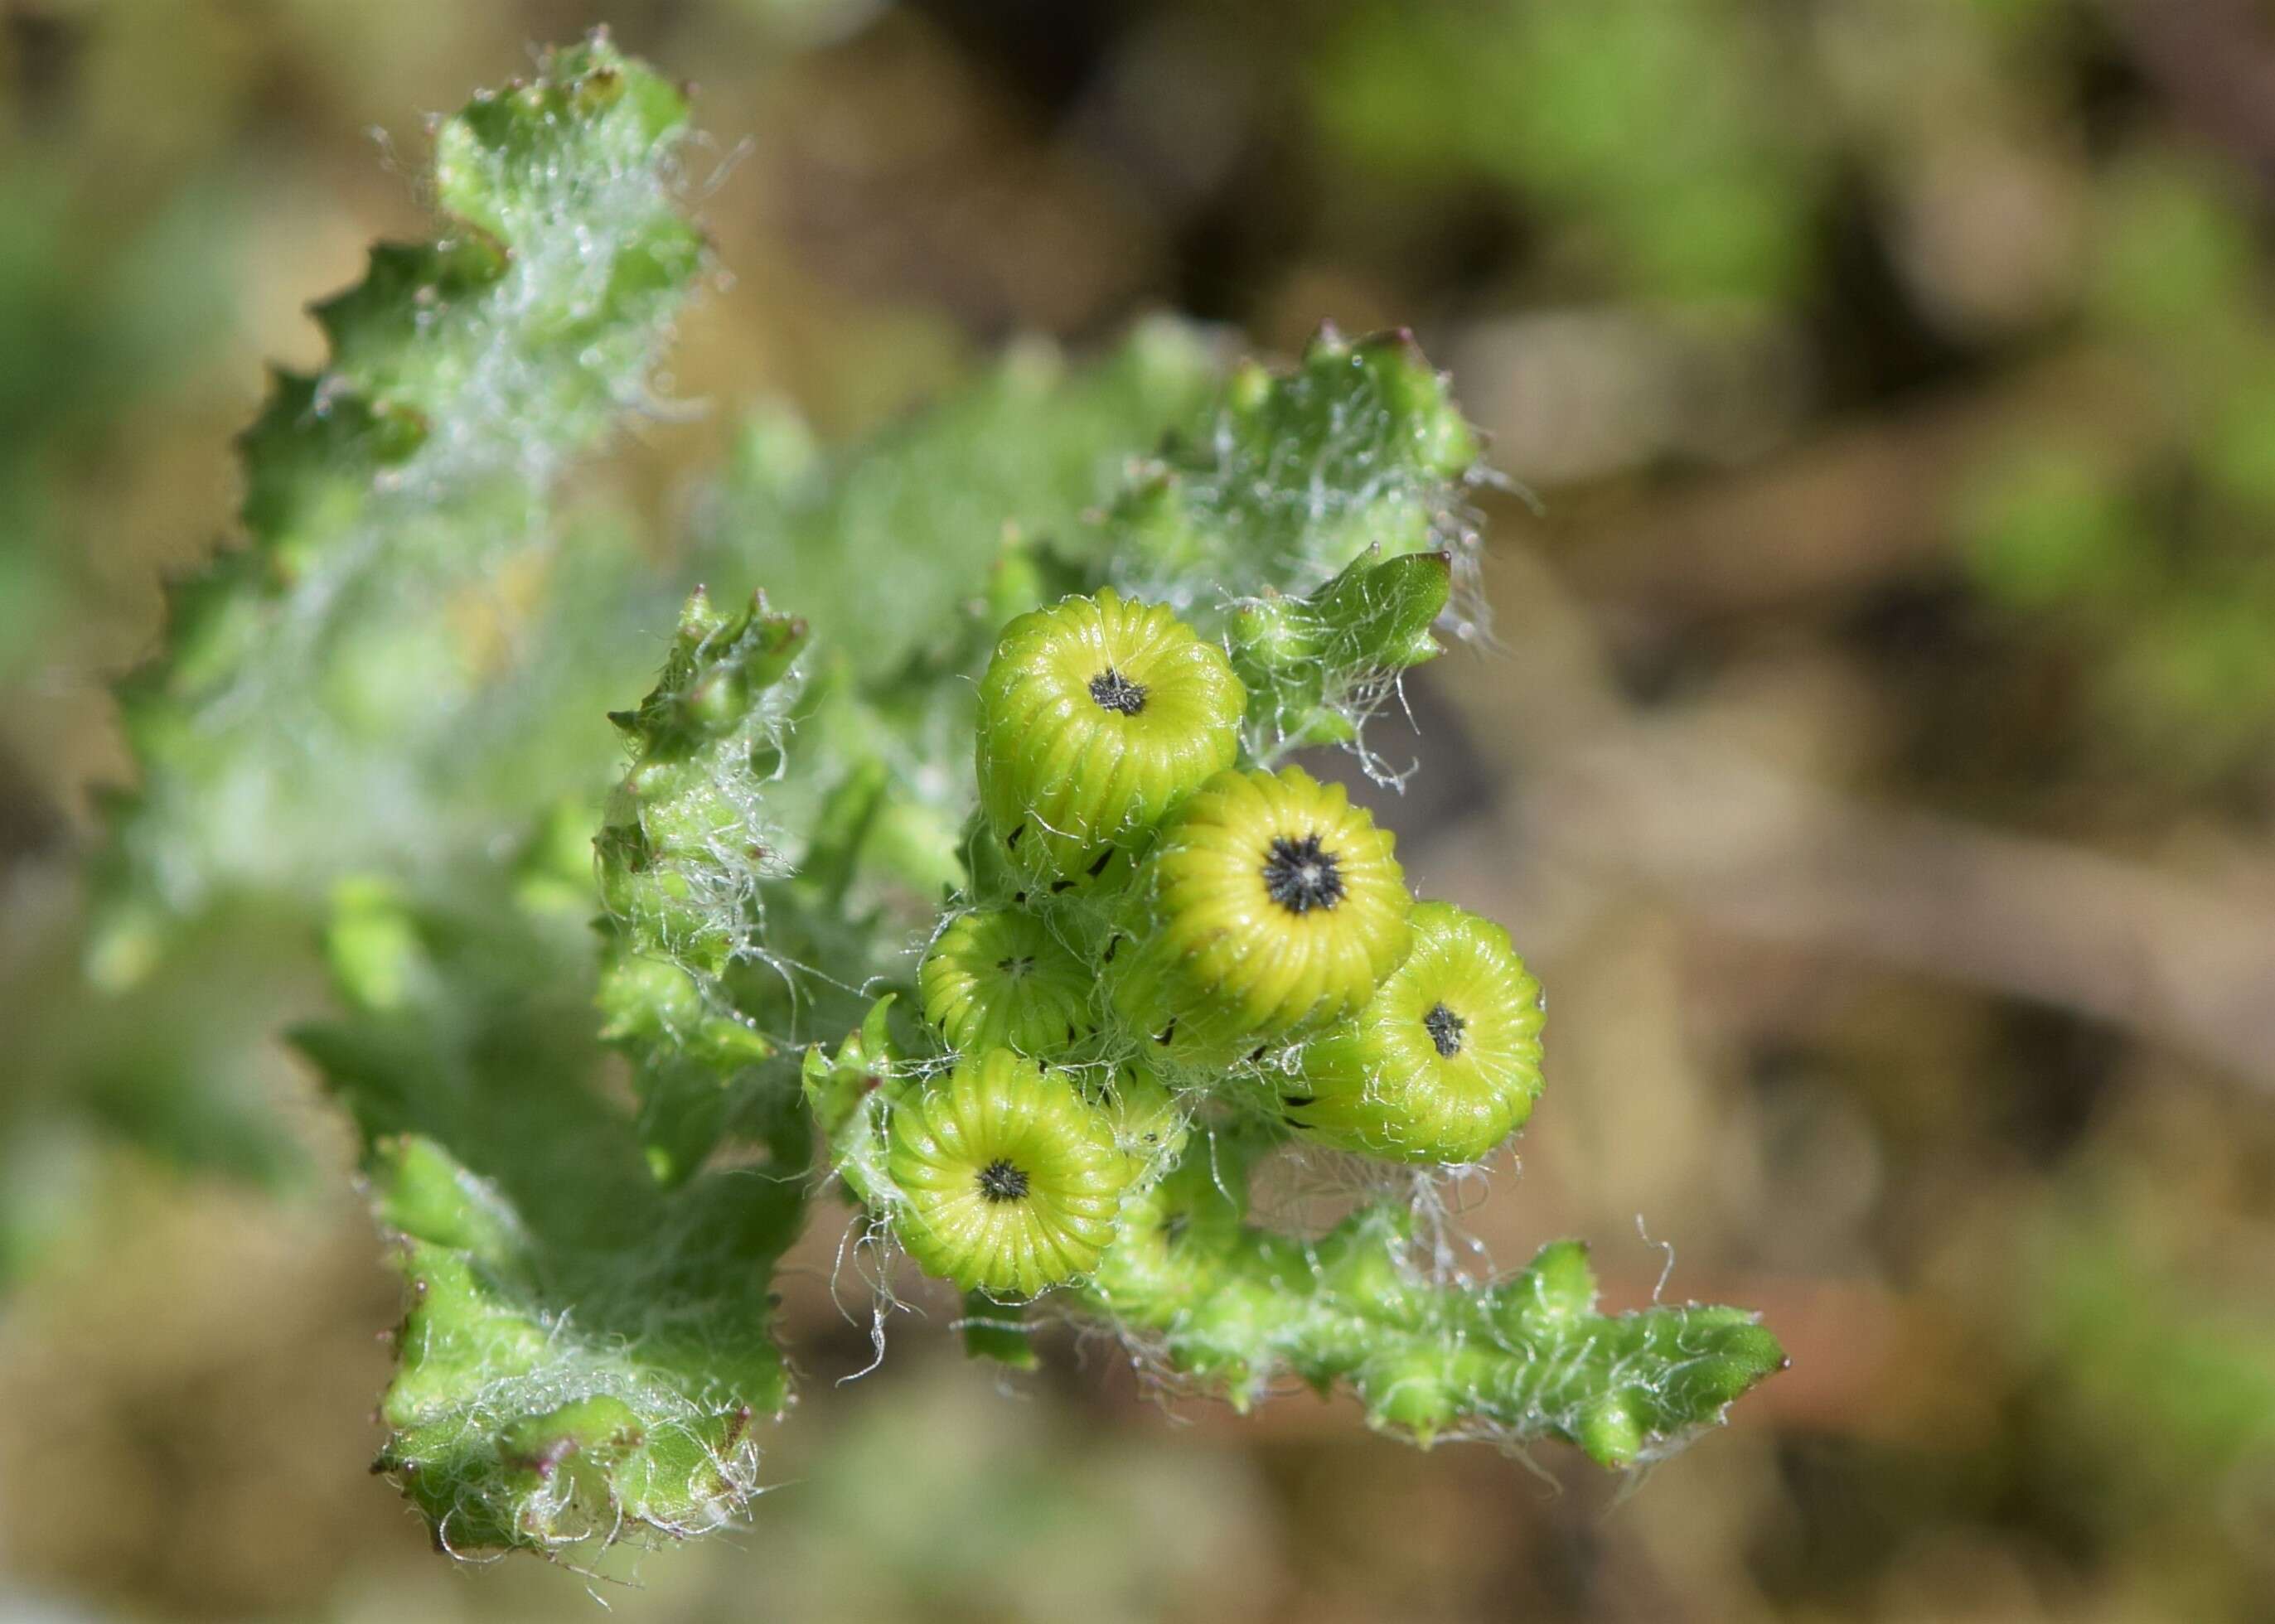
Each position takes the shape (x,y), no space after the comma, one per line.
(585,1350)
(382,677)
(1238,1310)
(1293,478)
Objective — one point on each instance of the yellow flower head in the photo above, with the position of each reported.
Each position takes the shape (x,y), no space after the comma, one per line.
(1269,905)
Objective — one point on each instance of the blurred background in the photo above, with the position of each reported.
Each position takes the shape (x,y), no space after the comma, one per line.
(1878,770)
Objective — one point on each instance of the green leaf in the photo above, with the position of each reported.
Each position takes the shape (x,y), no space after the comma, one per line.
(889,547)
(1316,666)
(1296,477)
(585,1351)
(998,1330)
(370,682)
(1236,1310)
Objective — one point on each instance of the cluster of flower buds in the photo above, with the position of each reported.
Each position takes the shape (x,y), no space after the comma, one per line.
(1154,926)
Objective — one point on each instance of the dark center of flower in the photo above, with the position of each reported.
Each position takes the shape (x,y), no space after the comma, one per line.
(1301,875)
(1016,967)
(1117,693)
(1445,1029)
(1000,1181)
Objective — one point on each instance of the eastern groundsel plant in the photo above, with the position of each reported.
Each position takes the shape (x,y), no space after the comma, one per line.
(960,872)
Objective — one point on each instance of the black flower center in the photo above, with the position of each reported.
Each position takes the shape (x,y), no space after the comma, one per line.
(1000,1181)
(1117,693)
(1301,875)
(1445,1029)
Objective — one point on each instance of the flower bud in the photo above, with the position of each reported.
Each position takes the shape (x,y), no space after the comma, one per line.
(1269,905)
(1444,1062)
(1010,1182)
(1096,716)
(998,978)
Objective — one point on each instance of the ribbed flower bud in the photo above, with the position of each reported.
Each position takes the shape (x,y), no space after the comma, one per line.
(1011,1180)
(998,978)
(1444,1062)
(1096,716)
(1269,905)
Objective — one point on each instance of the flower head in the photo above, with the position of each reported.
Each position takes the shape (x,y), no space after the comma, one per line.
(1270,904)
(1444,1062)
(1097,715)
(1011,1180)
(1000,977)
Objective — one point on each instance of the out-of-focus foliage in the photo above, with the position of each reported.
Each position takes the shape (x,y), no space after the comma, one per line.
(1639,126)
(879,550)
(2130,558)
(352,685)
(2146,558)
(90,329)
